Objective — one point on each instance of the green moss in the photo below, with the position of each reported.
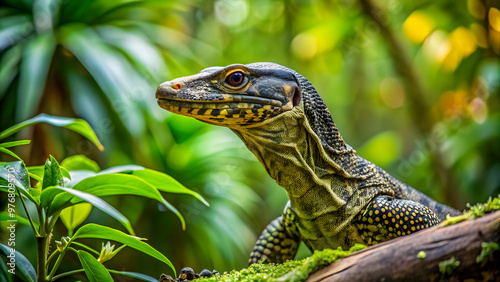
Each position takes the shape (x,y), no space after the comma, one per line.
(292,270)
(448,266)
(487,252)
(421,255)
(475,211)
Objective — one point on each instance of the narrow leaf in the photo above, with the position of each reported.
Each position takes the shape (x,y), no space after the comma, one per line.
(95,271)
(77,125)
(166,183)
(122,169)
(102,232)
(107,185)
(4,216)
(14,143)
(35,66)
(51,193)
(9,152)
(24,269)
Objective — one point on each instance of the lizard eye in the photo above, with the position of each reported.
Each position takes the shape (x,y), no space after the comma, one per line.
(236,78)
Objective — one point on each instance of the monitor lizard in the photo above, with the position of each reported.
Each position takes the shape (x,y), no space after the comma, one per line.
(336,197)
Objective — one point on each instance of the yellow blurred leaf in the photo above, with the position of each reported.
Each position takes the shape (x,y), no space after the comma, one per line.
(453,104)
(480,34)
(304,45)
(437,46)
(494,18)
(417,27)
(476,9)
(463,40)
(392,92)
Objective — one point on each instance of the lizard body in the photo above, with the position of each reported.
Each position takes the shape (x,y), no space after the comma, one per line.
(337,198)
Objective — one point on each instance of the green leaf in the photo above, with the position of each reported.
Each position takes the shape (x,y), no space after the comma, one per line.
(9,152)
(5,145)
(107,185)
(10,65)
(65,172)
(4,216)
(24,269)
(36,170)
(52,175)
(77,125)
(4,273)
(75,215)
(135,275)
(166,183)
(102,232)
(35,66)
(80,162)
(94,270)
(17,174)
(51,198)
(111,70)
(14,143)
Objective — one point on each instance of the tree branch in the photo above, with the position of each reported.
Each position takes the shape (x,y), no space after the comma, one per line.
(419,108)
(397,259)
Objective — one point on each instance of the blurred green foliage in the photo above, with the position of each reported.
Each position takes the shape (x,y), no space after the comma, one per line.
(102,60)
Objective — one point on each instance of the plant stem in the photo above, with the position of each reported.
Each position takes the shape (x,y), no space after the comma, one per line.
(56,251)
(56,265)
(86,247)
(52,221)
(41,243)
(66,274)
(41,220)
(419,109)
(28,214)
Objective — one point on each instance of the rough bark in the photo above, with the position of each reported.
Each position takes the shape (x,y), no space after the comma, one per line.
(396,260)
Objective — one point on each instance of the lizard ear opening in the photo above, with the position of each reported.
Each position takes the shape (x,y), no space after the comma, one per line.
(296,96)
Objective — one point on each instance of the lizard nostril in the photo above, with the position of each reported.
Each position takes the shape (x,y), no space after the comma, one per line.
(177,86)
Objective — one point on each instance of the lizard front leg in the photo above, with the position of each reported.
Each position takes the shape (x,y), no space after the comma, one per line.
(386,218)
(278,242)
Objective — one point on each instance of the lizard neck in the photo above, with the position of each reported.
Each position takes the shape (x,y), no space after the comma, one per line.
(296,158)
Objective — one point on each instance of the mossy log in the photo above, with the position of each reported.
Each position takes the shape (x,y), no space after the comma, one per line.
(399,259)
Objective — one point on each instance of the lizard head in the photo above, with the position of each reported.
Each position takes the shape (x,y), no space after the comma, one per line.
(232,96)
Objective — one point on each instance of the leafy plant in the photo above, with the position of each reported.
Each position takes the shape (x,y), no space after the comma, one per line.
(61,194)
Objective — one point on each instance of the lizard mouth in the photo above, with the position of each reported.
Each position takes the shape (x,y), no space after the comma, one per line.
(220,109)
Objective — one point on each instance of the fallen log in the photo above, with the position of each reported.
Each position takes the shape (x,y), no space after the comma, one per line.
(440,252)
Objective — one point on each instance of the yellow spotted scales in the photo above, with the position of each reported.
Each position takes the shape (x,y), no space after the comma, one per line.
(386,218)
(337,198)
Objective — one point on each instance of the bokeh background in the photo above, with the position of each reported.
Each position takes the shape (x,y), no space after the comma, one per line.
(412,85)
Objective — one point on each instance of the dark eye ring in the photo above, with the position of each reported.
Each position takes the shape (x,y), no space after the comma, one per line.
(236,78)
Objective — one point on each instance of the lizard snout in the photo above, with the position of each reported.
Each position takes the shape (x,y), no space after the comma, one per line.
(168,89)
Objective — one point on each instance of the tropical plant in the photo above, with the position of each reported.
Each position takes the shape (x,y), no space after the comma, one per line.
(60,194)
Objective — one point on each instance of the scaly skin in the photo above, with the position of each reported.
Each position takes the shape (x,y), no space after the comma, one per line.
(337,198)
